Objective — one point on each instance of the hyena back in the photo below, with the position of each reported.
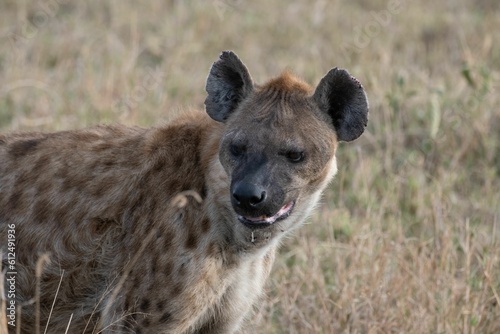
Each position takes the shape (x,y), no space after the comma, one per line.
(170,229)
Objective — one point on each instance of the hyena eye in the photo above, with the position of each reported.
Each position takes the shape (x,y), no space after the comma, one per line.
(237,149)
(295,156)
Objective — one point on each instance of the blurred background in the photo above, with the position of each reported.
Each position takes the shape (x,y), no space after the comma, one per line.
(407,239)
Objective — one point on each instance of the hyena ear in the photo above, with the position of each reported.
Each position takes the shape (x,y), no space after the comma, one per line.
(228,83)
(343,98)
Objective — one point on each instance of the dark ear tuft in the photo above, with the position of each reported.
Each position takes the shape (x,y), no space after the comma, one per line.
(343,98)
(228,83)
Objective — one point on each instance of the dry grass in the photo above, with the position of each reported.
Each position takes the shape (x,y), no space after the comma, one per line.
(407,240)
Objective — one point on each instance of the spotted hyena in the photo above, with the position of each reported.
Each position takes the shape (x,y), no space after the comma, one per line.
(171,229)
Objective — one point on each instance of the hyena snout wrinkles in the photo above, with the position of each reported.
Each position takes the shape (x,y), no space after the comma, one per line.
(170,229)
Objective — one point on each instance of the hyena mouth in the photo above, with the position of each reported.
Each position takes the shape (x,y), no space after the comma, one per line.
(265,221)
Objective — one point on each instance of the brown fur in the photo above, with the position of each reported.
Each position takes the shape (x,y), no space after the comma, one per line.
(117,211)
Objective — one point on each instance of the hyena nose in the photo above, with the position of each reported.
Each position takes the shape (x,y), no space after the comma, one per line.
(248,196)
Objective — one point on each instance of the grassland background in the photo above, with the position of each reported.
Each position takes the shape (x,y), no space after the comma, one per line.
(407,238)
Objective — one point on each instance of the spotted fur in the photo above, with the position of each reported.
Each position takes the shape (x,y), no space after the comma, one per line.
(140,224)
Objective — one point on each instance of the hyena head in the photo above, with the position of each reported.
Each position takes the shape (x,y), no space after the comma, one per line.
(279,142)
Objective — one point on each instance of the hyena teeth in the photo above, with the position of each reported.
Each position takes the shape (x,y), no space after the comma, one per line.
(281,214)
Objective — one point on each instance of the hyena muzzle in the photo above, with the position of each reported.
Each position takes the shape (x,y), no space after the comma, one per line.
(171,229)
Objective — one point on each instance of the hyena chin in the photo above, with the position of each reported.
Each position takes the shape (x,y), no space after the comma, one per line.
(170,229)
